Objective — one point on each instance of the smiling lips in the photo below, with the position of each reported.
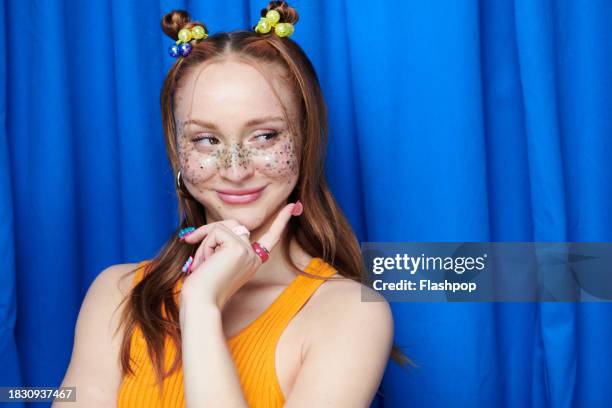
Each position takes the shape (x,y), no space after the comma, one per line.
(242,196)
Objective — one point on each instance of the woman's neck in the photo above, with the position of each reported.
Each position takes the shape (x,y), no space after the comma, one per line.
(276,270)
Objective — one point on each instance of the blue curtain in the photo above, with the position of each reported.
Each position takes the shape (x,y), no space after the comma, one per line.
(450,121)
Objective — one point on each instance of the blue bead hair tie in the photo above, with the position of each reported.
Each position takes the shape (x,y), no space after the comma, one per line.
(182,47)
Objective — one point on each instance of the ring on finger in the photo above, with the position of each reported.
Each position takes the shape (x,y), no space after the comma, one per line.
(261,251)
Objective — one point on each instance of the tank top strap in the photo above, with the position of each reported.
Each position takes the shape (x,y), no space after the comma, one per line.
(297,295)
(271,323)
(274,319)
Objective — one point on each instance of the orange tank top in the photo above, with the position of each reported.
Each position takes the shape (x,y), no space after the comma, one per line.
(252,349)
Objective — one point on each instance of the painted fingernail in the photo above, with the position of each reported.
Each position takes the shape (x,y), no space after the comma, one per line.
(186,235)
(297,208)
(190,267)
(187,266)
(184,232)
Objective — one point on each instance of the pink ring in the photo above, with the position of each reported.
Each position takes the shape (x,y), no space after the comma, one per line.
(261,251)
(241,230)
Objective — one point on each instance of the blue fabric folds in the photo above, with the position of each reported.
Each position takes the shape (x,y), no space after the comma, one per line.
(449,121)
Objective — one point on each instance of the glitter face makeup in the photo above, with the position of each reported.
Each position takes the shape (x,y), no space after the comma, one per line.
(237,152)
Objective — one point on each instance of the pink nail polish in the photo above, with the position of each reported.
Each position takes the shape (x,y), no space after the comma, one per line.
(297,208)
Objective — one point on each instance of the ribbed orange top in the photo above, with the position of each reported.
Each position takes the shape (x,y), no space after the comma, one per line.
(253,350)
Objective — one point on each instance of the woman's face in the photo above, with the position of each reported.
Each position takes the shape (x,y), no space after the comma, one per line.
(237,155)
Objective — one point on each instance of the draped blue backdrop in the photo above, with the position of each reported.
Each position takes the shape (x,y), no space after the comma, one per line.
(450,121)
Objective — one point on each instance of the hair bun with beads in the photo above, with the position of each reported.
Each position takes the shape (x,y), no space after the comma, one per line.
(279,17)
(177,25)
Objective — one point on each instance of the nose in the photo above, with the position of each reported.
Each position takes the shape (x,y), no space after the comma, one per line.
(236,163)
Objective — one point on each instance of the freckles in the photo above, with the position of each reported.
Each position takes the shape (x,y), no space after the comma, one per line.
(197,166)
(280,160)
(207,166)
(220,159)
(202,168)
(235,153)
(244,155)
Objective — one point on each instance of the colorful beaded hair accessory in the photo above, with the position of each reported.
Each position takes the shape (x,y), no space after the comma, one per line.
(271,22)
(182,47)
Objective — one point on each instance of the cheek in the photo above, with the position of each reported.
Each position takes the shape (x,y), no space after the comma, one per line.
(279,160)
(197,166)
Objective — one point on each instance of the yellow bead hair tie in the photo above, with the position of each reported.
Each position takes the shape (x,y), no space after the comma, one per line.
(270,21)
(182,48)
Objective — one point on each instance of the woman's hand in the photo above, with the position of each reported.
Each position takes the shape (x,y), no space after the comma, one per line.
(225,261)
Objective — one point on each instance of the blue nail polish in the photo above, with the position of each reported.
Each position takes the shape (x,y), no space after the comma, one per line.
(187,264)
(185,231)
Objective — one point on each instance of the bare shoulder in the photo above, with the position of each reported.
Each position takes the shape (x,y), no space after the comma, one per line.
(117,278)
(343,299)
(97,376)
(347,332)
(110,287)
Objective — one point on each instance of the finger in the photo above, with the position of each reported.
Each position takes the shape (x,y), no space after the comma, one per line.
(202,253)
(275,232)
(243,233)
(209,243)
(198,258)
(200,233)
(220,235)
(238,230)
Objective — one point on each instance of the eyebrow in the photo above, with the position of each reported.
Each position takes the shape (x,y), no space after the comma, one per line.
(252,122)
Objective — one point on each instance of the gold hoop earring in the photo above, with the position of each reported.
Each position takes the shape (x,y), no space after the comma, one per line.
(179,185)
(178,180)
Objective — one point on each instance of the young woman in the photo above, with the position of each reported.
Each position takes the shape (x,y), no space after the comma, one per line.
(261,305)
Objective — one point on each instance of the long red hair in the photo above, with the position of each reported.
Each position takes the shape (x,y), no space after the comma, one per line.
(322,230)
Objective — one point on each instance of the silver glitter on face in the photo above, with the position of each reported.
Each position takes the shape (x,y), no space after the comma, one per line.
(279,160)
(236,154)
(225,141)
(196,168)
(274,157)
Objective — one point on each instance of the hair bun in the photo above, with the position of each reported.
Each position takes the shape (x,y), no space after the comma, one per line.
(176,20)
(287,13)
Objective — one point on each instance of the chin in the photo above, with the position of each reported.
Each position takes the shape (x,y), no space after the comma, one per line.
(249,216)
